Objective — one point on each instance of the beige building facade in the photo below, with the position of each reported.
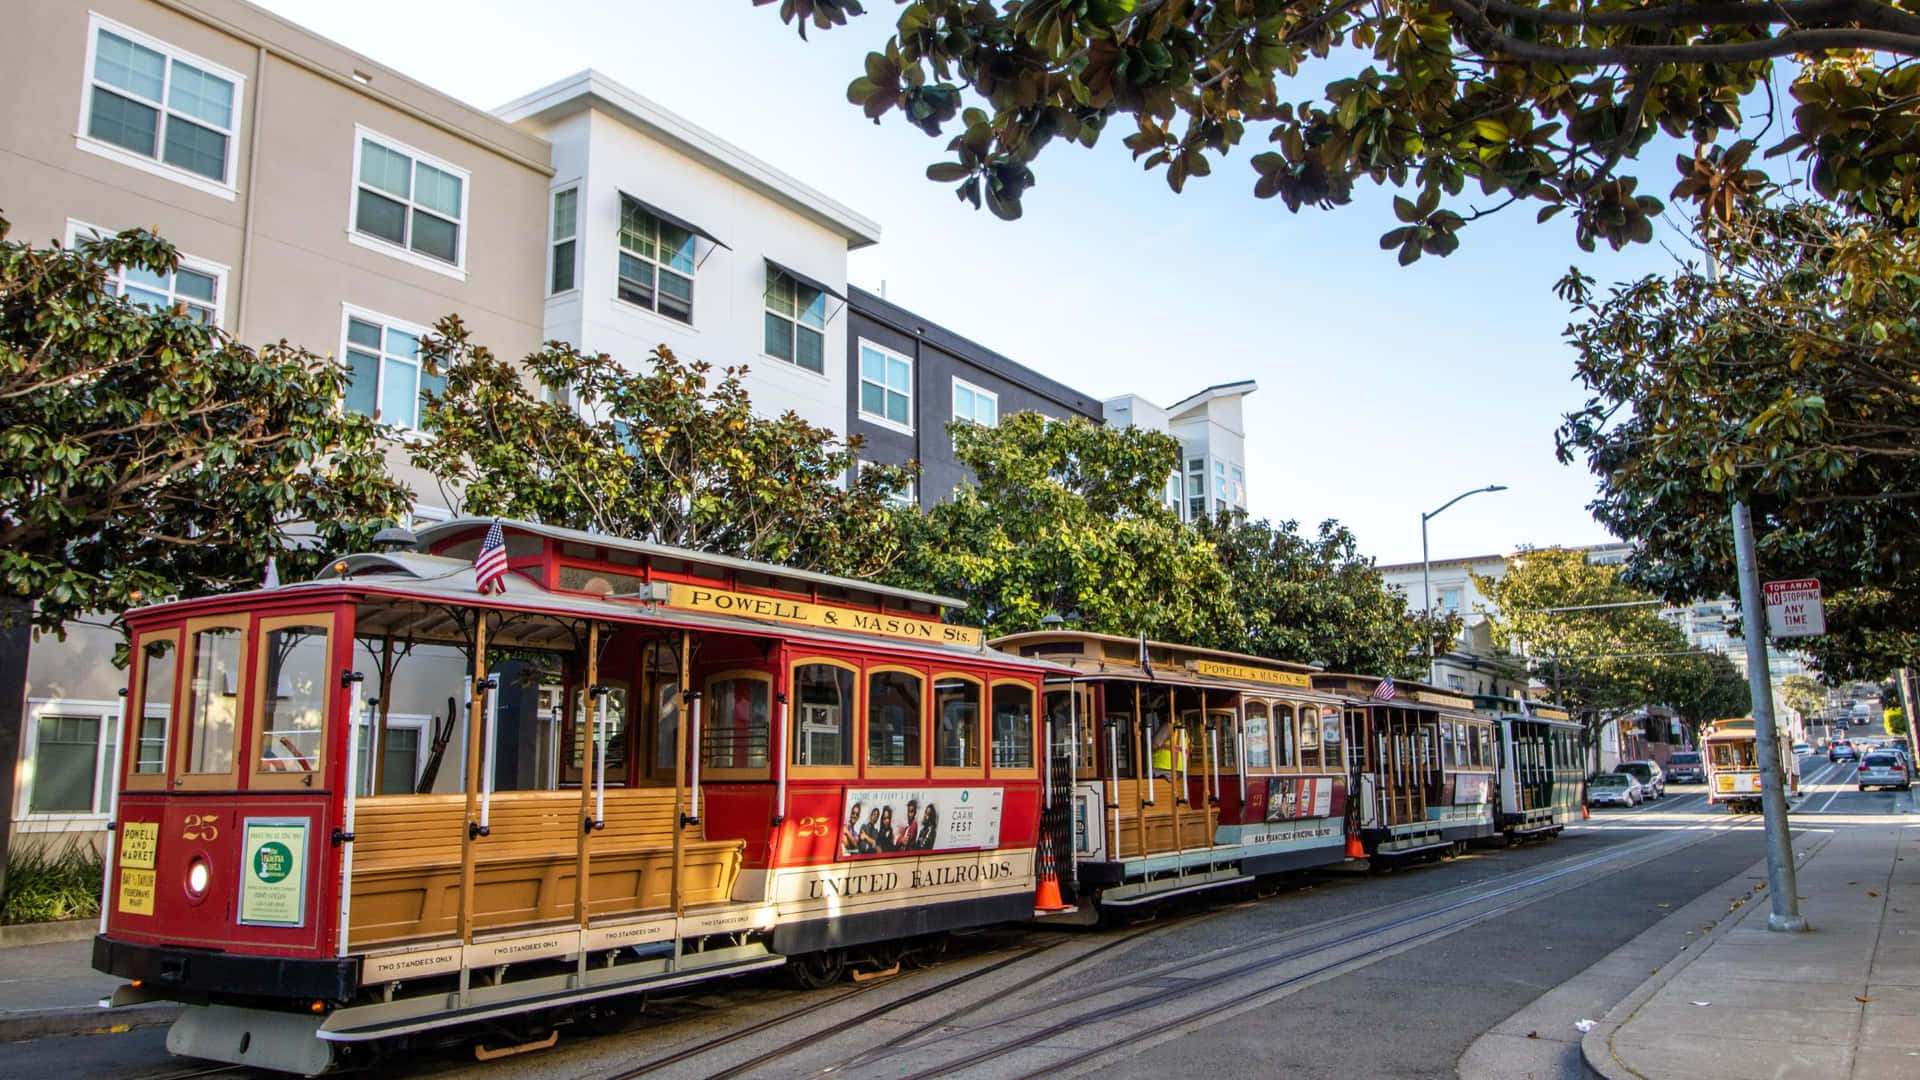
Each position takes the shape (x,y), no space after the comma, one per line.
(314,196)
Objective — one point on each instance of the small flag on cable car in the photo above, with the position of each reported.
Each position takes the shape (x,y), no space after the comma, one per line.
(1385,691)
(490,565)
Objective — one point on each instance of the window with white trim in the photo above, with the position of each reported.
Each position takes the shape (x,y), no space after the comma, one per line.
(159,104)
(1239,486)
(407,199)
(886,386)
(196,285)
(796,321)
(71,757)
(401,759)
(972,403)
(1219,486)
(566,206)
(656,263)
(1196,488)
(386,379)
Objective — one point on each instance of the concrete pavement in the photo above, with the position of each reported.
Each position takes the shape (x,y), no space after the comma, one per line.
(52,989)
(1839,1001)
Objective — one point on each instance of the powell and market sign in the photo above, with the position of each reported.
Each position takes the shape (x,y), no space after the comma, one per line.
(826,617)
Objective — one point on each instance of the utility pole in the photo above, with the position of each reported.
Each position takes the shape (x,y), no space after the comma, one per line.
(1773,790)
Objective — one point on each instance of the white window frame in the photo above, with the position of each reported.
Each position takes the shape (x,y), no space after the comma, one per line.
(85,141)
(418,722)
(78,231)
(349,312)
(457,269)
(554,240)
(860,382)
(1239,486)
(978,392)
(1220,490)
(108,713)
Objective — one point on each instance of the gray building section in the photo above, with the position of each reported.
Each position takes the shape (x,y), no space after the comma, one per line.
(947,376)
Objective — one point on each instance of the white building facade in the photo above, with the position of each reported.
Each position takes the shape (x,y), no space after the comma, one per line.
(1211,426)
(660,233)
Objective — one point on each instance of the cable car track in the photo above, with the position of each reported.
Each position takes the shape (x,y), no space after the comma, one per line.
(1159,995)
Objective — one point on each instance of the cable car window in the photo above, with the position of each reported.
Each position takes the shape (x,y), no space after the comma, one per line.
(157,656)
(1013,726)
(1283,736)
(1259,747)
(1116,743)
(213,700)
(293,698)
(822,715)
(1310,737)
(1229,742)
(1447,743)
(736,726)
(893,719)
(956,723)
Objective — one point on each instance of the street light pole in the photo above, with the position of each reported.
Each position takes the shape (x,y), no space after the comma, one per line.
(1426,570)
(1773,792)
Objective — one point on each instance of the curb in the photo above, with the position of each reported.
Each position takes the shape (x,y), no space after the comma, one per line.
(87,1020)
(1596,1046)
(47,933)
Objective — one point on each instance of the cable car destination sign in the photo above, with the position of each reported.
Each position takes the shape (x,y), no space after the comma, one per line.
(1793,608)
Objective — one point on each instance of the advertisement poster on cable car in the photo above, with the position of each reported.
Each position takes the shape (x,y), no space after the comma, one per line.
(1471,789)
(1292,798)
(899,821)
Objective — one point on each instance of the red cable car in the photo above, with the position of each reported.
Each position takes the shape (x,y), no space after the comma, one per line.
(360,809)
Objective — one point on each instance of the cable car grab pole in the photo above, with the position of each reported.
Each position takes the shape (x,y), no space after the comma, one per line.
(1773,792)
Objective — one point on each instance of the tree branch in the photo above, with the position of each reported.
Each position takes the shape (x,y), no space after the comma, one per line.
(1485,36)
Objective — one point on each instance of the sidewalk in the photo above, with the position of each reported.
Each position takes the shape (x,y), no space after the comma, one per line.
(52,989)
(1840,1001)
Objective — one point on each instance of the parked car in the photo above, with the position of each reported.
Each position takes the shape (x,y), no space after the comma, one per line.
(1842,750)
(1884,768)
(1614,789)
(1685,767)
(1653,781)
(1802,749)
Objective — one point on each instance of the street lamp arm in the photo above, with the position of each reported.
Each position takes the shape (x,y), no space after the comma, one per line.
(1462,495)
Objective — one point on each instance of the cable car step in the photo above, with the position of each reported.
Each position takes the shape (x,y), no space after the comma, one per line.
(407,1015)
(1146,892)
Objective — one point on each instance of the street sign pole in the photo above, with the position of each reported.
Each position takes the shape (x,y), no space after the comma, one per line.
(1773,783)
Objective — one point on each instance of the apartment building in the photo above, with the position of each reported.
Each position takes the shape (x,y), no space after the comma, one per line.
(314,196)
(908,378)
(660,233)
(1212,429)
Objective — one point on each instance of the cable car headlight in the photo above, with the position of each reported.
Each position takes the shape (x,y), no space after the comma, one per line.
(199,876)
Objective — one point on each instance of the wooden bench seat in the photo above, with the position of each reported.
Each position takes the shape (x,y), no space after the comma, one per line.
(407,851)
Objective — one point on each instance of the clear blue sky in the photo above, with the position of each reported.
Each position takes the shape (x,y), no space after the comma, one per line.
(1383,391)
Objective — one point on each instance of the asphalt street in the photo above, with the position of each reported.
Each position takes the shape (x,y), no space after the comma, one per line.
(1388,974)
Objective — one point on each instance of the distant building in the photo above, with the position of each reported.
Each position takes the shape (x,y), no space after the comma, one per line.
(908,378)
(1211,426)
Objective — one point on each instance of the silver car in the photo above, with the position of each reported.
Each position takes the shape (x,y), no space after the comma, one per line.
(1884,768)
(1614,789)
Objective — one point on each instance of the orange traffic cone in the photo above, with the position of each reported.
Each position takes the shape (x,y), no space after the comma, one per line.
(1584,812)
(1354,848)
(1047,897)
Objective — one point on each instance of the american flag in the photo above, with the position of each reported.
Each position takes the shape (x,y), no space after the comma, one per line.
(1385,691)
(490,565)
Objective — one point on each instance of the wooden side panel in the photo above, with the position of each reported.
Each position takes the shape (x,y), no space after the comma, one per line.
(1150,830)
(406,881)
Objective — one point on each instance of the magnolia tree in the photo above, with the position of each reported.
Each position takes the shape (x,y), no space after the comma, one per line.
(664,453)
(144,453)
(1469,106)
(1066,518)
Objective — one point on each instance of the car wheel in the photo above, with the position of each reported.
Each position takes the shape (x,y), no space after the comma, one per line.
(1863,787)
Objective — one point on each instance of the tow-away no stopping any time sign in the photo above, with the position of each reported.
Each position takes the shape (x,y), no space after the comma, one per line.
(1793,608)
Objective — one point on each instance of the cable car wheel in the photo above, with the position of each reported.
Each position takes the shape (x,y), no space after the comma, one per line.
(924,952)
(817,970)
